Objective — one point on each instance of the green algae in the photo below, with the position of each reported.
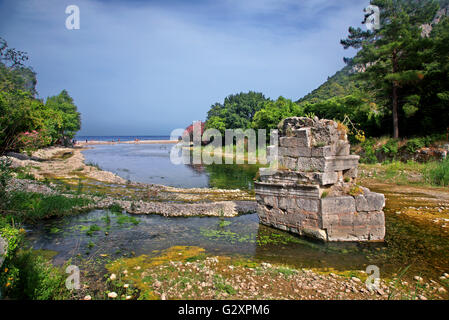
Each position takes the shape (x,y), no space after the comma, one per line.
(136,271)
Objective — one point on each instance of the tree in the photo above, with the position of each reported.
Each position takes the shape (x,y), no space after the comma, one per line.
(273,112)
(389,56)
(70,117)
(237,111)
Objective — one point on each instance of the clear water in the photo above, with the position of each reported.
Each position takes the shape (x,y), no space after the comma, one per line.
(150,163)
(241,236)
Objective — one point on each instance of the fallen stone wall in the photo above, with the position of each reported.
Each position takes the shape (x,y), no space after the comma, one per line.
(314,191)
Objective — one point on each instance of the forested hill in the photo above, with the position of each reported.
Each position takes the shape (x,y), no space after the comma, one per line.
(340,84)
(344,83)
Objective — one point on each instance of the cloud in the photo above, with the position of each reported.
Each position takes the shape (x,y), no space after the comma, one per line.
(139,67)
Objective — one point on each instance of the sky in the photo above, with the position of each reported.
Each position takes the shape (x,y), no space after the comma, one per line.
(139,67)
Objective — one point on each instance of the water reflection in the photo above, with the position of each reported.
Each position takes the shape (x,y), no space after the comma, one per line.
(151,164)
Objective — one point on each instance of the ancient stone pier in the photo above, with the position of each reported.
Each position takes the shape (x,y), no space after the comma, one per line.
(313,192)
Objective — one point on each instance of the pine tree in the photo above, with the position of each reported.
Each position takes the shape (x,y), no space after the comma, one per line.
(389,55)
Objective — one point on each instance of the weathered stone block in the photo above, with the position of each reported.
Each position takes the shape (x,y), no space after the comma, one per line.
(303,140)
(333,205)
(271,201)
(315,233)
(309,164)
(308,205)
(288,163)
(341,163)
(326,151)
(326,178)
(342,148)
(295,151)
(370,202)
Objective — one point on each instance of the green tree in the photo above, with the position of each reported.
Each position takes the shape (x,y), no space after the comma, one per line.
(237,111)
(389,56)
(70,118)
(273,112)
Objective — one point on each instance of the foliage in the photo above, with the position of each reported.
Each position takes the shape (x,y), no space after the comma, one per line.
(28,206)
(391,148)
(393,59)
(25,275)
(237,111)
(369,153)
(5,177)
(272,112)
(415,144)
(26,123)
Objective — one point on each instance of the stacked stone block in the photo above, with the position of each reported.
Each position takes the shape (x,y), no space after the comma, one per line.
(313,191)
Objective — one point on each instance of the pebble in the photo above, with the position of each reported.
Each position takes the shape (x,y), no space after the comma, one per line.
(441,290)
(163,296)
(126,286)
(88,297)
(113,277)
(418,278)
(129,297)
(112,295)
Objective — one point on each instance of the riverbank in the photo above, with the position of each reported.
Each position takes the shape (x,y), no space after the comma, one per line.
(175,276)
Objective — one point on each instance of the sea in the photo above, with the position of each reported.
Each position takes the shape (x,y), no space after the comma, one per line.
(122,138)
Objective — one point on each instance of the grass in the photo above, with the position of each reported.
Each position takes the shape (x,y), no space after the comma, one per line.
(29,206)
(411,172)
(437,173)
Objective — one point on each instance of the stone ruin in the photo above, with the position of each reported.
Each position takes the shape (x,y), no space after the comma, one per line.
(314,192)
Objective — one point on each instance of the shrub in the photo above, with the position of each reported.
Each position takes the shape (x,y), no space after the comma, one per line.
(391,148)
(415,144)
(369,154)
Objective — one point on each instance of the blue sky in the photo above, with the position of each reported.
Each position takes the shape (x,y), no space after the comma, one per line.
(140,67)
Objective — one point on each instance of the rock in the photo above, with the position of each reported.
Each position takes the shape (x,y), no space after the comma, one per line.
(418,278)
(112,295)
(163,296)
(441,290)
(355,279)
(126,286)
(88,297)
(128,297)
(113,277)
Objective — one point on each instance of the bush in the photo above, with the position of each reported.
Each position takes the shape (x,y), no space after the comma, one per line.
(369,154)
(415,144)
(391,148)
(25,275)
